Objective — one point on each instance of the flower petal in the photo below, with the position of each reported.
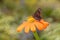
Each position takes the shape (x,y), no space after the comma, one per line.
(39,26)
(32,27)
(19,29)
(44,23)
(42,20)
(27,28)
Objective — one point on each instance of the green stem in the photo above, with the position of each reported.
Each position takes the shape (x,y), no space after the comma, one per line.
(36,36)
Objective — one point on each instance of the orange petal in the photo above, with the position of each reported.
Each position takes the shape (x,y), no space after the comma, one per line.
(32,27)
(39,26)
(19,29)
(45,24)
(42,21)
(27,28)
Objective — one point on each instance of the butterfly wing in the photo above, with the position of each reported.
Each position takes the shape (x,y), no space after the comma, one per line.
(37,14)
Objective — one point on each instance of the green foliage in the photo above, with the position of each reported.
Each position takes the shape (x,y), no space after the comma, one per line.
(47,11)
(56,14)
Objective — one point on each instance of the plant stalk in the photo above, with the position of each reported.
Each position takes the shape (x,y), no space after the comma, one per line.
(36,36)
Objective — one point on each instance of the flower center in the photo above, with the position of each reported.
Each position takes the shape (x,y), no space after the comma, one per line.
(30,19)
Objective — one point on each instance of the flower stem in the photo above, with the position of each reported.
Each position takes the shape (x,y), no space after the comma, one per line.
(36,36)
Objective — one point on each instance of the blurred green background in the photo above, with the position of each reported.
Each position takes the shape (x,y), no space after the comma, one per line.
(13,12)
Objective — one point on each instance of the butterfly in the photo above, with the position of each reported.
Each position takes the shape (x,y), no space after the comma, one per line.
(37,14)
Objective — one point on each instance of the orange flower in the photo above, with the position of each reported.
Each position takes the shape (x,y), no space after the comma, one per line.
(31,24)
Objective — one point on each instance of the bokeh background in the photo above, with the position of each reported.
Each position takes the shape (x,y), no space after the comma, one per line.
(14,12)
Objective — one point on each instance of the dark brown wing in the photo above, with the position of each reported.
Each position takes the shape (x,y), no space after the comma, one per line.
(37,14)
